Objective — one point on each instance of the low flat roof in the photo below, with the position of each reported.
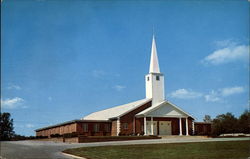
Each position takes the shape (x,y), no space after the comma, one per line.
(70,122)
(202,123)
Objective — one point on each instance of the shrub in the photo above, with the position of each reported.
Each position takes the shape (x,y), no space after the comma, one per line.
(56,135)
(69,135)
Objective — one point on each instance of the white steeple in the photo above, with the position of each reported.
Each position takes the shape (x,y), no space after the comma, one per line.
(154,80)
(154,64)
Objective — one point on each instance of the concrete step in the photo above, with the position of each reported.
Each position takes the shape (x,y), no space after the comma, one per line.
(182,137)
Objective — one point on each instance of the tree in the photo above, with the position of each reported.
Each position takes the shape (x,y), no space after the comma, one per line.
(244,122)
(225,123)
(6,128)
(207,119)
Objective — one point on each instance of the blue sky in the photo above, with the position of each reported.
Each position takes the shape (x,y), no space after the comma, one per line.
(62,60)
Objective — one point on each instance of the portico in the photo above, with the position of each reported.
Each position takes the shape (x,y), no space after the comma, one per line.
(166,119)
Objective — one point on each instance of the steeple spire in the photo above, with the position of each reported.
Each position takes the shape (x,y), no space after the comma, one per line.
(154,64)
(154,80)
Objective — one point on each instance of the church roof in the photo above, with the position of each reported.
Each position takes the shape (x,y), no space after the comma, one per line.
(116,111)
(170,111)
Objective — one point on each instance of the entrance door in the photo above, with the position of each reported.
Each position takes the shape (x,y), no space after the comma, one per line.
(149,127)
(165,128)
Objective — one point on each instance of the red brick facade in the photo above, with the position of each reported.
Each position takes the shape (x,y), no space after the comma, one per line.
(202,128)
(128,124)
(129,120)
(77,127)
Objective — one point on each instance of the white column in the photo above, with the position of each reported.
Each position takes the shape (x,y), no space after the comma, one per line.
(187,127)
(145,125)
(180,126)
(152,126)
(118,126)
(193,127)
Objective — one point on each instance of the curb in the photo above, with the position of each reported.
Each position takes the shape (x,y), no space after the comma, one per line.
(66,154)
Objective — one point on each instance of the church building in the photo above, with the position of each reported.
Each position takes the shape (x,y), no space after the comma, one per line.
(153,115)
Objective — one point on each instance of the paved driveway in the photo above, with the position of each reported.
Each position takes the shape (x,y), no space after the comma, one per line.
(51,150)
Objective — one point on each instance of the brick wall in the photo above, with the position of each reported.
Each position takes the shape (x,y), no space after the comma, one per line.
(64,129)
(129,119)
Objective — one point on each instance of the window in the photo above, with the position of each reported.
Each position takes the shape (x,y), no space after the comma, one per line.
(147,78)
(107,128)
(157,78)
(96,127)
(125,125)
(85,127)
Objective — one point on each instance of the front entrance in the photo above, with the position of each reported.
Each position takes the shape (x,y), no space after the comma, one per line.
(165,128)
(149,128)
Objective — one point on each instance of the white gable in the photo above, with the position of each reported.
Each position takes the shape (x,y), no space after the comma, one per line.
(115,111)
(164,109)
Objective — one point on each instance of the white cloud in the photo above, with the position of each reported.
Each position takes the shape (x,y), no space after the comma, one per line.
(225,43)
(29,125)
(213,96)
(231,90)
(228,51)
(185,94)
(24,125)
(12,103)
(13,86)
(119,87)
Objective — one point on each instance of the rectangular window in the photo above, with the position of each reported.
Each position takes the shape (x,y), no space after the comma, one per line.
(107,128)
(125,125)
(147,78)
(85,127)
(157,78)
(96,127)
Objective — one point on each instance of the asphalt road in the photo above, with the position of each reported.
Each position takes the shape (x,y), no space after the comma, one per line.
(51,150)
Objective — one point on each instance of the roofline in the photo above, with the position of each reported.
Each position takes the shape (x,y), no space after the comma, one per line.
(149,100)
(113,107)
(138,114)
(180,109)
(70,122)
(166,101)
(159,116)
(202,122)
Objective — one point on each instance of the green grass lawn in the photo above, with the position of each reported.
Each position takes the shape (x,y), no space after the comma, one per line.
(205,150)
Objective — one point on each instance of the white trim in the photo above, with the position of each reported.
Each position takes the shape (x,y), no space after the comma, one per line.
(152,126)
(152,108)
(145,125)
(180,109)
(167,116)
(187,127)
(118,126)
(180,127)
(193,127)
